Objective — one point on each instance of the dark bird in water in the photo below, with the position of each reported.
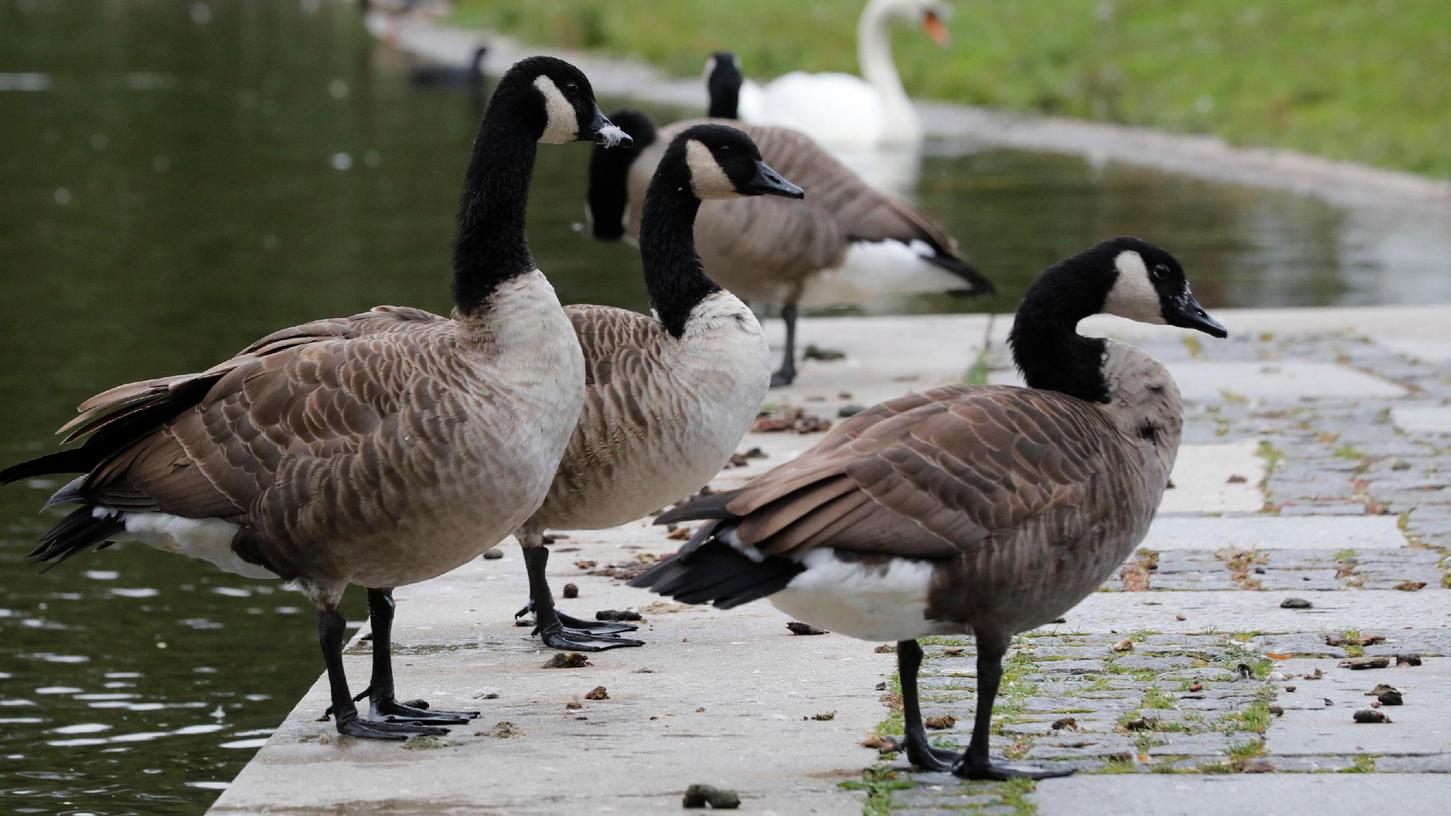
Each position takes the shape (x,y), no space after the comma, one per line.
(453,76)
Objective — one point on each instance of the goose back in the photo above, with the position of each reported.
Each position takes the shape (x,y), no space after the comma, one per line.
(770,248)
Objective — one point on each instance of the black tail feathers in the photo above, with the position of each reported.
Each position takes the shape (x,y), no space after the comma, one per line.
(75,534)
(710,570)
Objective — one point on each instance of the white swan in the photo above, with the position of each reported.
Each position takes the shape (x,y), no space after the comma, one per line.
(843,110)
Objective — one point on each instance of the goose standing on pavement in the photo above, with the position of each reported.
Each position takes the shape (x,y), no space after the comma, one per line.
(667,398)
(841,110)
(983,510)
(381,449)
(847,243)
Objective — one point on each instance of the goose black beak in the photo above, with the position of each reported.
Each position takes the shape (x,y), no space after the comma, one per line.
(606,133)
(769,182)
(1188,314)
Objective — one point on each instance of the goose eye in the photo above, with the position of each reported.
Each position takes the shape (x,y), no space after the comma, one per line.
(571,86)
(1159,271)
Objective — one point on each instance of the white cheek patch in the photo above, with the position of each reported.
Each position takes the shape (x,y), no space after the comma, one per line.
(706,177)
(1133,294)
(562,125)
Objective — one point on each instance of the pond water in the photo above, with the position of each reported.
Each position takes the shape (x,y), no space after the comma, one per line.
(182,177)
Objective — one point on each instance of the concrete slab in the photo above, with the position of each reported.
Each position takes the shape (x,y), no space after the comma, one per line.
(1286,382)
(1202,479)
(1418,727)
(701,702)
(1274,532)
(1263,795)
(1245,611)
(1422,419)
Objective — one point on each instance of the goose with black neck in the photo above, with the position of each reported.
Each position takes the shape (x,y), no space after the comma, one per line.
(967,510)
(668,398)
(380,449)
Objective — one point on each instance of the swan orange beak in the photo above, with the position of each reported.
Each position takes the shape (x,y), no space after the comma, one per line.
(936,29)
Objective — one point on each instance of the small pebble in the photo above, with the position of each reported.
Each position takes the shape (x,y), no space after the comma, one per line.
(940,722)
(1125,645)
(1295,603)
(597,693)
(567,660)
(617,615)
(1197,687)
(1277,711)
(699,796)
(799,628)
(1061,723)
(1257,765)
(1377,662)
(849,410)
(494,554)
(570,591)
(1408,660)
(1390,698)
(1368,716)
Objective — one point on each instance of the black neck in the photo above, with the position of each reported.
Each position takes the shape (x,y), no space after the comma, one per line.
(491,246)
(724,101)
(1047,347)
(674,275)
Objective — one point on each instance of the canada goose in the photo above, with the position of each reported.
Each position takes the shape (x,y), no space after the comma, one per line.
(984,510)
(666,400)
(845,244)
(452,76)
(380,449)
(847,110)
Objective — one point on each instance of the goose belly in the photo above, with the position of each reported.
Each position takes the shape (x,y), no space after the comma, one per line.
(873,269)
(882,600)
(207,539)
(496,471)
(664,435)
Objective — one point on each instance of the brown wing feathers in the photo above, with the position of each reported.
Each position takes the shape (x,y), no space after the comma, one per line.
(925,476)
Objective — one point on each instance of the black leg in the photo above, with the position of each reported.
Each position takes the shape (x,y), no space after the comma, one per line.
(787,373)
(383,703)
(976,762)
(919,751)
(561,631)
(330,629)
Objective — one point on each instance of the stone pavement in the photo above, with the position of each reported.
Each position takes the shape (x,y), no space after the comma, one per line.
(1314,468)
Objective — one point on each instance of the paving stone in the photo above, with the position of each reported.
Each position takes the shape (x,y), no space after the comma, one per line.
(1422,419)
(1269,532)
(1419,727)
(1236,795)
(1230,611)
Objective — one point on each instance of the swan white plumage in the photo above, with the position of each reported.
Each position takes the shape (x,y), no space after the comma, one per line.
(844,110)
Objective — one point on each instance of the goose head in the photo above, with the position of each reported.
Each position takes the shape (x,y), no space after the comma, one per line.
(723,162)
(559,103)
(723,80)
(1142,282)
(609,174)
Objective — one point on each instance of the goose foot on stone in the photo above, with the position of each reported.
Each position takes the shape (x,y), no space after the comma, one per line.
(579,624)
(1001,771)
(418,712)
(568,638)
(354,726)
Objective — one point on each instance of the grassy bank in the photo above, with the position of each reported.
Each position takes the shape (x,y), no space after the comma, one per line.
(1364,80)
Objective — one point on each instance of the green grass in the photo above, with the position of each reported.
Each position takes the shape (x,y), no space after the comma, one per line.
(878,782)
(1363,80)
